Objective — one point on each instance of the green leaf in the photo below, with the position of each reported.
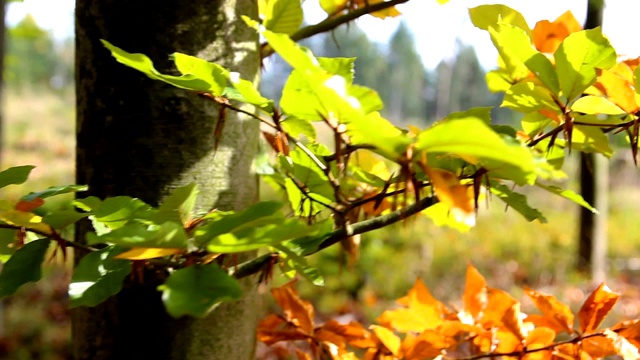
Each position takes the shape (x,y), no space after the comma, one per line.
(528,97)
(517,201)
(198,289)
(55,190)
(60,219)
(471,138)
(591,104)
(534,122)
(577,59)
(498,80)
(245,91)
(296,264)
(97,277)
(222,223)
(487,16)
(263,233)
(296,126)
(520,57)
(115,212)
(299,57)
(590,139)
(24,266)
(283,16)
(197,74)
(169,235)
(568,194)
(15,175)
(340,66)
(178,207)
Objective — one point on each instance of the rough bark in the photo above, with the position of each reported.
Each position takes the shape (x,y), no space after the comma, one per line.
(143,138)
(592,237)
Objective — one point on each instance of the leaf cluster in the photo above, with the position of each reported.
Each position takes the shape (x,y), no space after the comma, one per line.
(489,324)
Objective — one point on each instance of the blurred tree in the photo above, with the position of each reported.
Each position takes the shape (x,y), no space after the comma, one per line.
(407,98)
(30,55)
(594,184)
(460,84)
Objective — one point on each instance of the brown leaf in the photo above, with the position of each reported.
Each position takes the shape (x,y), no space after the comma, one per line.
(475,292)
(352,333)
(29,206)
(428,344)
(296,310)
(557,313)
(596,308)
(274,328)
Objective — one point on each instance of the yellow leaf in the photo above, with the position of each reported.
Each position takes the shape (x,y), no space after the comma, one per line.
(147,253)
(617,85)
(422,311)
(27,220)
(332,7)
(387,338)
(458,197)
(593,105)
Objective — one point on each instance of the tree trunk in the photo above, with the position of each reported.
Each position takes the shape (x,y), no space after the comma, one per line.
(3,34)
(143,138)
(592,246)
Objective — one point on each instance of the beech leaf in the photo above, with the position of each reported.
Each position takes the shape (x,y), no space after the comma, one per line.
(596,308)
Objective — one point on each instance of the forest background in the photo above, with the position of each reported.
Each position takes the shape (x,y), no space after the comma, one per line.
(39,79)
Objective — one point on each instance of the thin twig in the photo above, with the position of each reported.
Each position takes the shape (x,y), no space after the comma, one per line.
(54,235)
(333,22)
(529,351)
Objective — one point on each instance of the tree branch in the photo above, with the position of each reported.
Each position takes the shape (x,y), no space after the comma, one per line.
(332,22)
(253,266)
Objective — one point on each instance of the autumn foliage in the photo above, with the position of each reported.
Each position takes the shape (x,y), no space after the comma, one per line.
(489,324)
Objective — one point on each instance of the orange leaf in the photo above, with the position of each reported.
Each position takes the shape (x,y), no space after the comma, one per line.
(29,206)
(352,333)
(296,311)
(456,196)
(539,338)
(499,310)
(547,36)
(630,330)
(422,311)
(429,344)
(274,328)
(147,253)
(387,338)
(475,292)
(303,355)
(617,85)
(557,313)
(596,308)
